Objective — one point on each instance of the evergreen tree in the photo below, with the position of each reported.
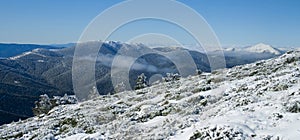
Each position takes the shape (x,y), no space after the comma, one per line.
(43,105)
(141,82)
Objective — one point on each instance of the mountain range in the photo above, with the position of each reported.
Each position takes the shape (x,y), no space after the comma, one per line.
(9,50)
(42,69)
(260,100)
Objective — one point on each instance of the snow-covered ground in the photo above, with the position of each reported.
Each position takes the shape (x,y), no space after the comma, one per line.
(254,101)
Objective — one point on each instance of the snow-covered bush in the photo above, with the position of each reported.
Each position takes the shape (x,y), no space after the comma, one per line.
(66,99)
(243,101)
(171,77)
(45,104)
(120,87)
(199,89)
(291,60)
(293,107)
(220,132)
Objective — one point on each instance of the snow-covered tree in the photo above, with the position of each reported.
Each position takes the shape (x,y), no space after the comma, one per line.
(45,104)
(141,82)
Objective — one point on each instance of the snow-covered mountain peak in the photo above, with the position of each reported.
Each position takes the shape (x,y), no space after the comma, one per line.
(263,48)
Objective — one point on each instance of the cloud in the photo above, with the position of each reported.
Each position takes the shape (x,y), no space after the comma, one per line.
(122,62)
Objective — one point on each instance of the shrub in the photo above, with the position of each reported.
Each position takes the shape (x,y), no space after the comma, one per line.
(198,72)
(45,104)
(68,121)
(293,107)
(171,77)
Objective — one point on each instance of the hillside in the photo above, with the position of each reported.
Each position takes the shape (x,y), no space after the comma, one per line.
(49,71)
(9,50)
(254,101)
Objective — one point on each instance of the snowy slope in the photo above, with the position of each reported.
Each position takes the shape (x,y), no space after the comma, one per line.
(254,101)
(33,52)
(263,48)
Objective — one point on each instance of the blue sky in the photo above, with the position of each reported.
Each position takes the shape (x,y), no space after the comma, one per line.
(235,22)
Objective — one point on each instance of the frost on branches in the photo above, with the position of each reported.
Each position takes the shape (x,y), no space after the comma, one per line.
(45,104)
(141,82)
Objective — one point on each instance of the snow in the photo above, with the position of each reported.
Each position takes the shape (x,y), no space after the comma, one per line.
(257,49)
(54,50)
(253,101)
(83,136)
(33,52)
(20,56)
(229,49)
(262,48)
(154,121)
(185,134)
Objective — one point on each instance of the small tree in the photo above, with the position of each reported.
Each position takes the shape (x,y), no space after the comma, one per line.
(42,106)
(45,104)
(198,71)
(141,82)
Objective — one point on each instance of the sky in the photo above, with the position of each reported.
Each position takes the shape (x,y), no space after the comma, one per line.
(235,22)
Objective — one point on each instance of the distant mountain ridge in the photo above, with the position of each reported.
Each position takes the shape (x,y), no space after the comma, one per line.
(10,50)
(66,45)
(48,70)
(260,48)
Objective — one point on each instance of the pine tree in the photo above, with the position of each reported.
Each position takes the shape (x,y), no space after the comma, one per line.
(141,82)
